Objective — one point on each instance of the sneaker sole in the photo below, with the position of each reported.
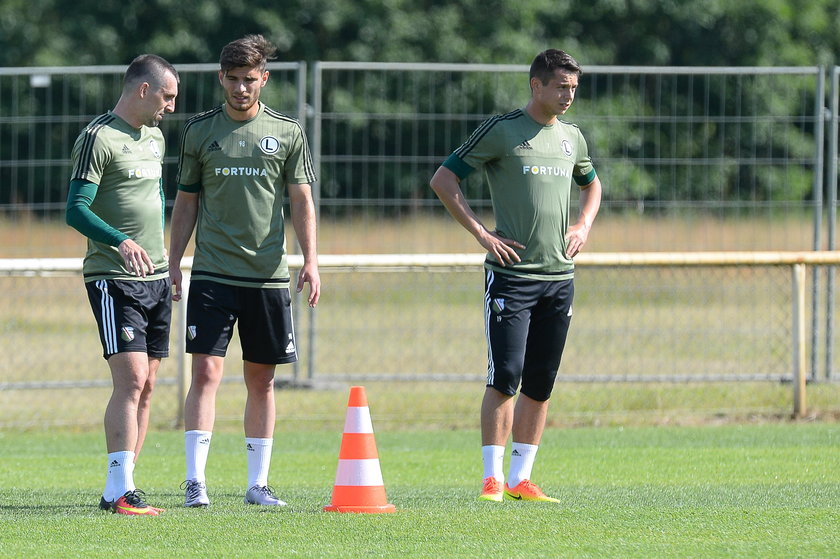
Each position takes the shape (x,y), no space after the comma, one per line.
(520,497)
(280,504)
(491,498)
(131,511)
(196,505)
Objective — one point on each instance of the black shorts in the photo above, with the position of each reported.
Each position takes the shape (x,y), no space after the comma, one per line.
(526,322)
(266,332)
(132,315)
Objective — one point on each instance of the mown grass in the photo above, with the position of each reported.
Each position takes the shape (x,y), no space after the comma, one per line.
(27,236)
(733,491)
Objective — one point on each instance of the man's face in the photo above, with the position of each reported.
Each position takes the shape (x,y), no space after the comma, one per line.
(242,88)
(557,95)
(161,100)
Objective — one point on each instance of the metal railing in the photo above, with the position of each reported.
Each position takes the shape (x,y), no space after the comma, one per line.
(795,315)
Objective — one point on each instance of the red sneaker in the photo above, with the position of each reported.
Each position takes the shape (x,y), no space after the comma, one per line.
(492,490)
(132,503)
(526,490)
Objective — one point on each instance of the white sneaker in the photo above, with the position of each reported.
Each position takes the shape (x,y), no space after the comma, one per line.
(195,493)
(262,495)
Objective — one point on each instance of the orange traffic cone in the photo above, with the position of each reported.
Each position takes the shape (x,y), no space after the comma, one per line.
(358,481)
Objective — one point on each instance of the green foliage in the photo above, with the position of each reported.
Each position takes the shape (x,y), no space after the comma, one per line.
(604,32)
(646,32)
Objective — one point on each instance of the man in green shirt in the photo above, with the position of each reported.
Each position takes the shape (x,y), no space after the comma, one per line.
(236,161)
(116,200)
(529,159)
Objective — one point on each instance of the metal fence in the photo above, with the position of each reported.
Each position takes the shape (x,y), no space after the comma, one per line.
(692,159)
(712,318)
(706,146)
(43,109)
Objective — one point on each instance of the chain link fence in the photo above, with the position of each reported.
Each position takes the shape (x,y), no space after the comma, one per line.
(692,159)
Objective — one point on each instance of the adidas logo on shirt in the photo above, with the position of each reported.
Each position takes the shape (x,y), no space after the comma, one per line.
(214,146)
(524,145)
(126,149)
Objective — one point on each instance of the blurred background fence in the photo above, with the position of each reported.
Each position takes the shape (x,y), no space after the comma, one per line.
(692,160)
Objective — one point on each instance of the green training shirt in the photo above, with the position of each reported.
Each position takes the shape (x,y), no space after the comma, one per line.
(529,168)
(240,170)
(116,175)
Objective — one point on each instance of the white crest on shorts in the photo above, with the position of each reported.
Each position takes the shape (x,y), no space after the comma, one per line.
(127,333)
(498,305)
(191,332)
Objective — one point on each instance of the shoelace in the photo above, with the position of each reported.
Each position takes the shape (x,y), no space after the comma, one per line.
(266,490)
(528,484)
(193,488)
(135,498)
(492,484)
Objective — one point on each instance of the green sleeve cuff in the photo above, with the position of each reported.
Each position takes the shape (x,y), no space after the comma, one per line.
(80,217)
(191,188)
(457,166)
(583,180)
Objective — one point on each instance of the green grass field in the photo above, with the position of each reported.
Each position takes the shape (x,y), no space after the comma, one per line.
(763,491)
(643,469)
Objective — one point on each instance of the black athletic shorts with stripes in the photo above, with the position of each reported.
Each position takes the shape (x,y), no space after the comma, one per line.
(526,323)
(132,315)
(266,331)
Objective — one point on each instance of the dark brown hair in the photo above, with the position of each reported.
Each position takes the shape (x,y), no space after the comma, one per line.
(549,61)
(251,51)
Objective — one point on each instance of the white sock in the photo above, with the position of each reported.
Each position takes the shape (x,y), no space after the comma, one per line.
(197,446)
(259,460)
(120,479)
(493,457)
(521,462)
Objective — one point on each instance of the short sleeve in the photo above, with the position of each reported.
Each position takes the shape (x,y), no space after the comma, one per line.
(90,157)
(189,167)
(298,168)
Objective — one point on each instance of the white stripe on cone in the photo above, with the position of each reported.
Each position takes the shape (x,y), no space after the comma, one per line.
(359,472)
(358,420)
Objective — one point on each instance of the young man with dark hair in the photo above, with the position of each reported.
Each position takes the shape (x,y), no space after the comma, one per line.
(529,159)
(116,200)
(236,160)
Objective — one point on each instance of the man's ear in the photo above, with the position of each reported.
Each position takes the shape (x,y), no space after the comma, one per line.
(144,89)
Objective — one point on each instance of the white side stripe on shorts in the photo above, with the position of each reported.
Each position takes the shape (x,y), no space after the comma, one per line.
(292,318)
(106,309)
(491,367)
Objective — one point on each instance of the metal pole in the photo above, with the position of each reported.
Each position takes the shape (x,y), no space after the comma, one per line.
(300,107)
(317,86)
(799,365)
(819,136)
(832,217)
